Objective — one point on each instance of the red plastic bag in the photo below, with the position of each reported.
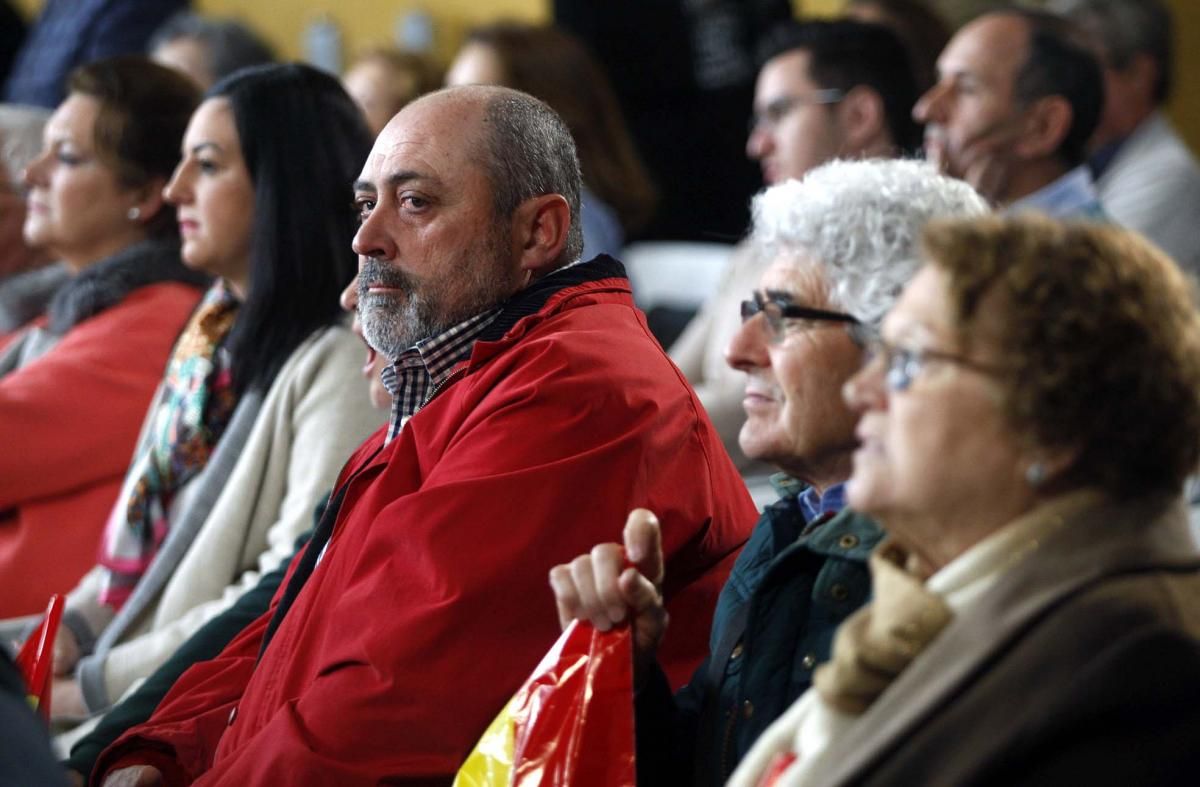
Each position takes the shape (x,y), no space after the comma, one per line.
(36,658)
(570,725)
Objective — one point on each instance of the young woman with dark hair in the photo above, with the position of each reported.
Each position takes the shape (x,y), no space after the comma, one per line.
(262,400)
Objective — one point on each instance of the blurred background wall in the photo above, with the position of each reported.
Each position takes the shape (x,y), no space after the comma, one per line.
(362,23)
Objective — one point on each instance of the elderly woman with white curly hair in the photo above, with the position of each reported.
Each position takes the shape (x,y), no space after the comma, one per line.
(843,242)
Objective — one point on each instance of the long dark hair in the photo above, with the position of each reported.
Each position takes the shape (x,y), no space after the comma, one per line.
(303,141)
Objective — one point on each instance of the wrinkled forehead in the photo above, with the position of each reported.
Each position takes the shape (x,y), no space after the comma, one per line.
(993,47)
(440,138)
(796,277)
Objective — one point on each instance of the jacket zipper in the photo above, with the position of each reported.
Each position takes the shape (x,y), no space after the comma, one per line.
(727,739)
(438,388)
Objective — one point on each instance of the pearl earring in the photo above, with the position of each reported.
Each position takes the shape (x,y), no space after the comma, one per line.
(1035,474)
(134,213)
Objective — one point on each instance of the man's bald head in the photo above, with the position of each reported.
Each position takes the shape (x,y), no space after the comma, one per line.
(526,148)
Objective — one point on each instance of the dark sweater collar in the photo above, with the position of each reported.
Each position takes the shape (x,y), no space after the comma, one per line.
(106,283)
(533,298)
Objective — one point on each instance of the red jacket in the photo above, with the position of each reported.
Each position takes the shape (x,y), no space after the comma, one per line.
(431,603)
(68,423)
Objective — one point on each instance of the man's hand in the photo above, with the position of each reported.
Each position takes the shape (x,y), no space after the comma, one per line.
(134,776)
(599,588)
(66,700)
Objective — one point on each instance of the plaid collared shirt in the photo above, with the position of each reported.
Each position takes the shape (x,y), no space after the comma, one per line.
(420,370)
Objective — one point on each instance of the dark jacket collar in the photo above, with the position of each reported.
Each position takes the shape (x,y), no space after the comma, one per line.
(533,298)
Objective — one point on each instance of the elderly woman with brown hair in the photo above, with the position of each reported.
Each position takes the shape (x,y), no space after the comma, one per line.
(75,383)
(1028,419)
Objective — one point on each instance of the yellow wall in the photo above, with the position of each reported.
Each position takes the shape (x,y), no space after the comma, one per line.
(1185,104)
(368,22)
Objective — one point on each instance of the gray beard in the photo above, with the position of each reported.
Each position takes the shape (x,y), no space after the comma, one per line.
(394,322)
(391,323)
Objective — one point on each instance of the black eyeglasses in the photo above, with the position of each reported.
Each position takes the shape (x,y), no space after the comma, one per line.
(777,110)
(776,310)
(902,365)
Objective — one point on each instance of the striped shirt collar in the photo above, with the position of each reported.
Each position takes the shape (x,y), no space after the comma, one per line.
(416,375)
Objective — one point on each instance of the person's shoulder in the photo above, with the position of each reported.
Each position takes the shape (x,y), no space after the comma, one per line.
(1165,598)
(329,340)
(1155,153)
(332,352)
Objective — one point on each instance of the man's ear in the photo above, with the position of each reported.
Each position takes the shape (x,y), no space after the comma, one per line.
(148,199)
(862,118)
(1047,123)
(540,228)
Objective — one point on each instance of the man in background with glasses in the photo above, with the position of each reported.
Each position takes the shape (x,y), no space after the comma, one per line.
(832,274)
(827,89)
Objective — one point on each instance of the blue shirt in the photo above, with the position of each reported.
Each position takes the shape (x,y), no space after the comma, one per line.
(602,232)
(1072,196)
(813,504)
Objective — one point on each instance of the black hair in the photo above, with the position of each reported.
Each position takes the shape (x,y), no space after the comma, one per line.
(304,141)
(844,54)
(1061,63)
(228,44)
(531,152)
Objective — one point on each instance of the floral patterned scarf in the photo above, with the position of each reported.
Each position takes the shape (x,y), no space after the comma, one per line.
(193,409)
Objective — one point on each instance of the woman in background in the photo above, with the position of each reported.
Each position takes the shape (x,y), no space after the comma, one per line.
(618,197)
(74,385)
(205,48)
(262,400)
(382,81)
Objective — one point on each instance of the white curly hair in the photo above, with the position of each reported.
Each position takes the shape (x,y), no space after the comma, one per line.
(860,223)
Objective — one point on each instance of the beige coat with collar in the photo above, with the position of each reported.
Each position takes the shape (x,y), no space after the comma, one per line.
(1081,665)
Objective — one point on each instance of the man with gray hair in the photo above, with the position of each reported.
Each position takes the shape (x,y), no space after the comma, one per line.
(1147,178)
(842,243)
(520,380)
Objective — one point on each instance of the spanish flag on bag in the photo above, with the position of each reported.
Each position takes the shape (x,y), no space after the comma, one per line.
(570,725)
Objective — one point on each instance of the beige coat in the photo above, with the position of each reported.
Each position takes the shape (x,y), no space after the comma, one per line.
(238,519)
(1080,665)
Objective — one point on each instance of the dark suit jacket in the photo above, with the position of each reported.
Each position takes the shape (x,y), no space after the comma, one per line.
(1081,666)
